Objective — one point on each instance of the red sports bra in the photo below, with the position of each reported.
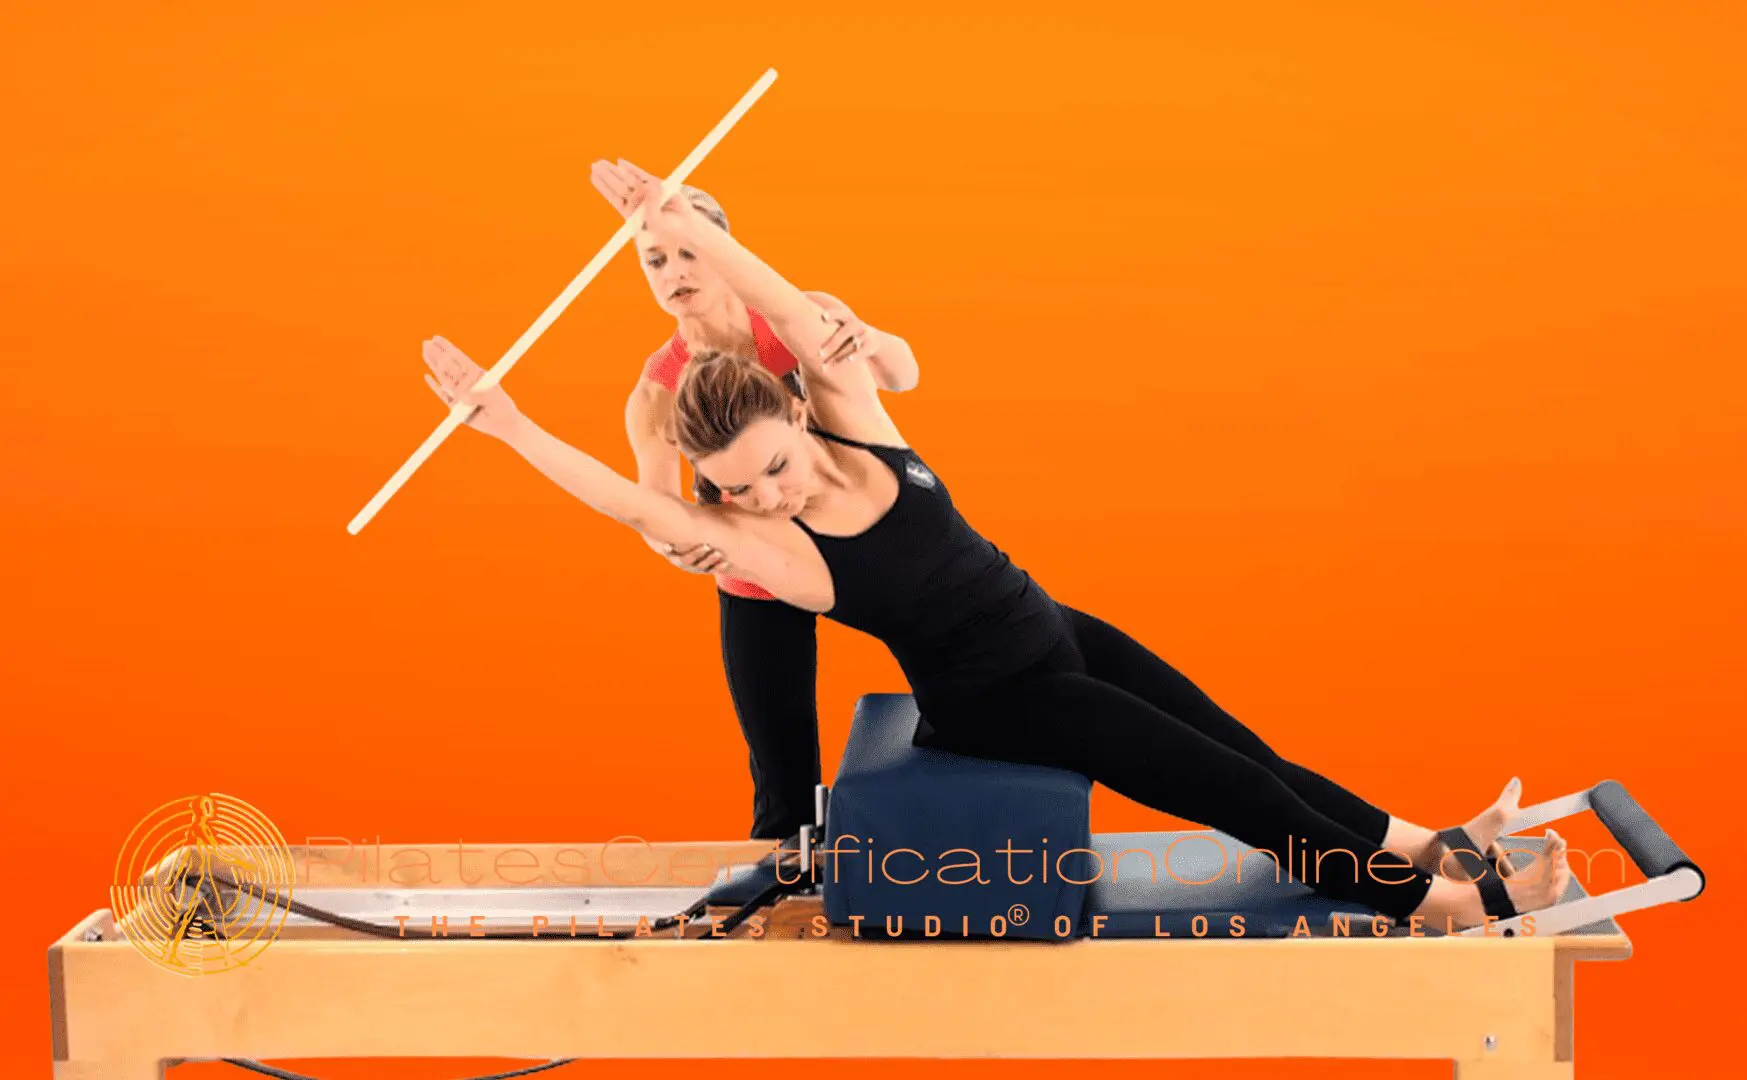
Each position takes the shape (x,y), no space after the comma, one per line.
(668,361)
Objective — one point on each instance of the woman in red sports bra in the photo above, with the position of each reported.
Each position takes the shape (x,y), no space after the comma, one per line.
(769,649)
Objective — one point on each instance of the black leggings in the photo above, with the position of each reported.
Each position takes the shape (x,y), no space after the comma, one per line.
(1104,706)
(770,652)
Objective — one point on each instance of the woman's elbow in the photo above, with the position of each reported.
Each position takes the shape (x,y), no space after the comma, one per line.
(903,373)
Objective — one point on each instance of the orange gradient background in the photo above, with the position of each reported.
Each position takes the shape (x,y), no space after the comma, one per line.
(1378,364)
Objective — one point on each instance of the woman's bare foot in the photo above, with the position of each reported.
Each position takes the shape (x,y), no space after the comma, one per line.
(1458,904)
(1484,828)
(1544,885)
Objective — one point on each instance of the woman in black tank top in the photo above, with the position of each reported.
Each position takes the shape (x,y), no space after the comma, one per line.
(828,509)
(956,612)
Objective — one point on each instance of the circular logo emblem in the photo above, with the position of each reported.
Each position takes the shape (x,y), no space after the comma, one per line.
(196,881)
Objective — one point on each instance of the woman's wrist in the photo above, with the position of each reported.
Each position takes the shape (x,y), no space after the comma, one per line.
(519,432)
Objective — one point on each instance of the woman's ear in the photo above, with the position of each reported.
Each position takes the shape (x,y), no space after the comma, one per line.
(798,413)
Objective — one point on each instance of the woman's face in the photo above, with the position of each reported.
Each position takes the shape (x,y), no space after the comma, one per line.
(682,284)
(767,469)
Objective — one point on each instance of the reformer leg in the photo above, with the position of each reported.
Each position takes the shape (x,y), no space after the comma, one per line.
(1562,1066)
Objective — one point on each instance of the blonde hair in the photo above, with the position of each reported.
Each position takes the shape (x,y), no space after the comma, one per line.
(707,205)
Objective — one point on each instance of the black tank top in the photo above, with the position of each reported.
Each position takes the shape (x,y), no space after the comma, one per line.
(954,610)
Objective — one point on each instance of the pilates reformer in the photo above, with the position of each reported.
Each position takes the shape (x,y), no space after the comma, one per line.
(1080,949)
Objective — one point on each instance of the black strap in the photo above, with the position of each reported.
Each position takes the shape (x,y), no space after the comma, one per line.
(1467,853)
(1494,897)
(895,458)
(877,449)
(836,438)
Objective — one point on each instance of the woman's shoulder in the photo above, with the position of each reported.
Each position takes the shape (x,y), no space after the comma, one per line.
(856,422)
(843,447)
(665,363)
(788,566)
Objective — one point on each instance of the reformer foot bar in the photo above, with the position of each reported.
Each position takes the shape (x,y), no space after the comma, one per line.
(1079,945)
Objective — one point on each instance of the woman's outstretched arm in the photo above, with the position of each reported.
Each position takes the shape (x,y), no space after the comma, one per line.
(658,515)
(888,356)
(802,324)
(655,514)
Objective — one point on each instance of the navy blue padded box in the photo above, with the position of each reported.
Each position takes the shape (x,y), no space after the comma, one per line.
(890,795)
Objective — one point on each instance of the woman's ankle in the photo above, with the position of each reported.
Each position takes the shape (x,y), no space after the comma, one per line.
(1415,842)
